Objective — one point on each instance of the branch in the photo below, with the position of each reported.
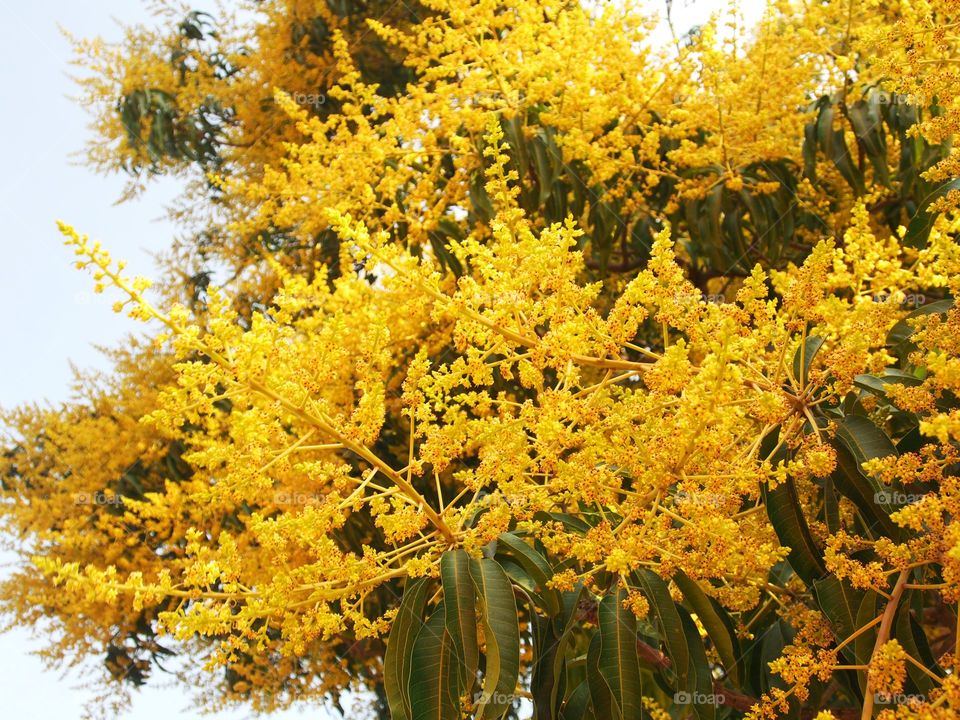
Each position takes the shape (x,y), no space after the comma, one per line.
(883,635)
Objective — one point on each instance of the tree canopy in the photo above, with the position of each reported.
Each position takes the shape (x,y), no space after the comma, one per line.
(510,363)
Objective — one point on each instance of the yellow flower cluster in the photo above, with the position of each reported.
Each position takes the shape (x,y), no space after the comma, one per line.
(421,346)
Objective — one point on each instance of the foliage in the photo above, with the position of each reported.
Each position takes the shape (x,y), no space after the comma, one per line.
(553,372)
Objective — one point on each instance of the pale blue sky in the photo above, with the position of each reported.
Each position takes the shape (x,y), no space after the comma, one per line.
(50,316)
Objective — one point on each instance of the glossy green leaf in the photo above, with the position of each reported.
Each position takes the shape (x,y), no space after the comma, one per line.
(498,613)
(698,671)
(922,222)
(720,628)
(869,497)
(578,705)
(550,656)
(601,695)
(864,439)
(570,522)
(877,384)
(397,659)
(901,332)
(434,678)
(867,126)
(618,653)
(536,567)
(664,613)
(461,613)
(840,602)
(786,515)
(864,643)
(912,639)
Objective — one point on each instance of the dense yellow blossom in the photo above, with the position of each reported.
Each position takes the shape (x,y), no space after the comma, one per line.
(495,317)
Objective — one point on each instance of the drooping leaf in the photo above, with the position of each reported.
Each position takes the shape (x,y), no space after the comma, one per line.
(461,613)
(840,602)
(701,680)
(922,222)
(664,613)
(618,653)
(864,643)
(901,332)
(786,516)
(548,674)
(601,695)
(578,705)
(536,567)
(498,613)
(397,659)
(859,440)
(864,439)
(434,678)
(719,626)
(912,639)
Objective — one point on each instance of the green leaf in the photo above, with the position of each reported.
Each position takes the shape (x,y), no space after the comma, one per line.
(479,200)
(859,440)
(447,230)
(831,505)
(864,439)
(536,567)
(498,613)
(902,331)
(786,516)
(868,128)
(834,146)
(922,222)
(550,656)
(810,151)
(864,643)
(397,659)
(577,706)
(698,670)
(771,645)
(719,626)
(839,601)
(461,613)
(912,639)
(618,653)
(668,624)
(434,679)
(604,704)
(570,522)
(518,576)
(866,494)
(877,384)
(545,174)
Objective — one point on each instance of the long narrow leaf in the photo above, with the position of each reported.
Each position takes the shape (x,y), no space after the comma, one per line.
(403,634)
(498,612)
(461,613)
